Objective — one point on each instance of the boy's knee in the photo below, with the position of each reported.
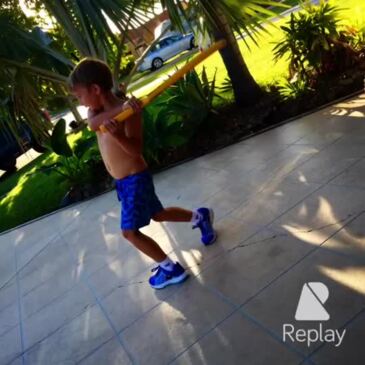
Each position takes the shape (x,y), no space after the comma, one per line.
(129,234)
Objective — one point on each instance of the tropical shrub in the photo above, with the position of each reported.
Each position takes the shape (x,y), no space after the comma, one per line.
(226,85)
(75,164)
(313,43)
(162,131)
(355,36)
(173,119)
(191,98)
(293,89)
(126,65)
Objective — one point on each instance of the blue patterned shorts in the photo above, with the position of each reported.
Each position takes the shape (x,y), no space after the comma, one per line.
(139,200)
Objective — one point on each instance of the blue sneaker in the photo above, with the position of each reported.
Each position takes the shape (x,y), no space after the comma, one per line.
(163,277)
(205,224)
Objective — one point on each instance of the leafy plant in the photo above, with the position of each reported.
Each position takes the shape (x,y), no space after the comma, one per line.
(161,132)
(75,164)
(126,65)
(191,98)
(294,90)
(310,40)
(355,36)
(226,85)
(59,142)
(177,114)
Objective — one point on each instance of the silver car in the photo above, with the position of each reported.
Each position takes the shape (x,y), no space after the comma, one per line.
(165,49)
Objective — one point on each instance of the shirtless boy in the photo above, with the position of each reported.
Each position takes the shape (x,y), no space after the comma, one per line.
(121,149)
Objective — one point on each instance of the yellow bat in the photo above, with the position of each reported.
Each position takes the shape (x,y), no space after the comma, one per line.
(171,80)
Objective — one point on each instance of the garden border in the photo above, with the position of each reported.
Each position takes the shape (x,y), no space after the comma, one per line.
(286,121)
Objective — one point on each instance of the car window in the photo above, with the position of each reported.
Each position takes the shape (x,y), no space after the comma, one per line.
(176,38)
(156,47)
(165,42)
(170,40)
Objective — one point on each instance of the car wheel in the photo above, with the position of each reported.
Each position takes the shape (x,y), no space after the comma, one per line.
(157,63)
(9,165)
(192,43)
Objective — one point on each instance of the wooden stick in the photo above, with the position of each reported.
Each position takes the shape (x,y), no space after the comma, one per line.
(171,80)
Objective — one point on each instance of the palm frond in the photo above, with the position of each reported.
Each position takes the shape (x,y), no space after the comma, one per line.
(87,25)
(243,16)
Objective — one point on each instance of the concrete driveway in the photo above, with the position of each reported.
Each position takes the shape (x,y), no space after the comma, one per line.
(284,284)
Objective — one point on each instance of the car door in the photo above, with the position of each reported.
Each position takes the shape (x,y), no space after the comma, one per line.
(177,45)
(153,53)
(166,51)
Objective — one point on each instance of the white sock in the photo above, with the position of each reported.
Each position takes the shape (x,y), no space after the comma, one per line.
(167,264)
(196,217)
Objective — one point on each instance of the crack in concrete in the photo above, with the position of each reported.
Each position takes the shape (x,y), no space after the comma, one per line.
(276,235)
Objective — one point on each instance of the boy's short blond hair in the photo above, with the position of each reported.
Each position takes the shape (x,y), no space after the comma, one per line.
(91,71)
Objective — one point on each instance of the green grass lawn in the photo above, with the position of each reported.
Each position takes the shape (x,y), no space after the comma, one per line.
(258,59)
(30,194)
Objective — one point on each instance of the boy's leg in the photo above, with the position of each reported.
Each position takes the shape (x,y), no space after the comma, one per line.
(167,272)
(173,214)
(202,218)
(145,244)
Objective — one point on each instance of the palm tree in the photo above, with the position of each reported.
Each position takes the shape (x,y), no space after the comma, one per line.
(98,28)
(28,61)
(25,60)
(223,18)
(86,25)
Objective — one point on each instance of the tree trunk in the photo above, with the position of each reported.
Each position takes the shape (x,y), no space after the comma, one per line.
(74,111)
(246,90)
(62,92)
(117,65)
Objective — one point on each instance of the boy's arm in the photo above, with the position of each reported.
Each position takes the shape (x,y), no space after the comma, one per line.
(95,120)
(130,133)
